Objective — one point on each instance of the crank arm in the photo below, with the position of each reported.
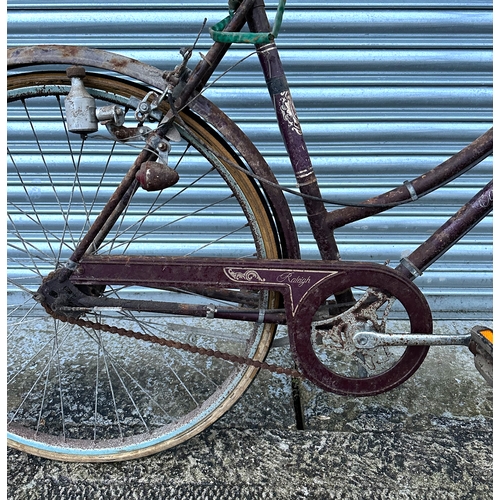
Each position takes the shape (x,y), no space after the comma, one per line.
(371,340)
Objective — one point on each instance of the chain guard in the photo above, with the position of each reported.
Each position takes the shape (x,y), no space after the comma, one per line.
(384,281)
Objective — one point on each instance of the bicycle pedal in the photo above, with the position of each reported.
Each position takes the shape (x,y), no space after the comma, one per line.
(481,345)
(155,176)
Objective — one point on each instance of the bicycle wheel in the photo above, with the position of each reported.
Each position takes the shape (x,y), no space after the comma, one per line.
(82,395)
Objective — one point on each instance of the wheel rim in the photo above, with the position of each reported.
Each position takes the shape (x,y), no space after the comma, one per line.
(106,436)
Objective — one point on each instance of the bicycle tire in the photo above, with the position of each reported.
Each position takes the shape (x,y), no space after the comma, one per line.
(90,426)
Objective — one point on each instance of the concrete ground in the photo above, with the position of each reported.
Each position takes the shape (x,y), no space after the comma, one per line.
(430,438)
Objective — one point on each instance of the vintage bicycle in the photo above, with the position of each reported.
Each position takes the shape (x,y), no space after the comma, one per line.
(138,353)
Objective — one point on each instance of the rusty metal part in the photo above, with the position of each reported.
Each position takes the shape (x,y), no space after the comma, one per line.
(124,134)
(247,299)
(147,106)
(371,340)
(57,295)
(112,218)
(336,336)
(18,57)
(89,303)
(176,79)
(155,176)
(450,169)
(360,312)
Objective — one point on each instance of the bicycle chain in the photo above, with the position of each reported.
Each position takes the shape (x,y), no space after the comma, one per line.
(233,358)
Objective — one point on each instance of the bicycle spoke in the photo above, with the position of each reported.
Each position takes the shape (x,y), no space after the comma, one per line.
(34,218)
(111,361)
(136,235)
(30,360)
(96,392)
(47,170)
(42,402)
(76,186)
(218,240)
(55,346)
(113,396)
(182,384)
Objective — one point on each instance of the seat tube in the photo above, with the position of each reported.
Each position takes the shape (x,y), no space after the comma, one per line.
(292,134)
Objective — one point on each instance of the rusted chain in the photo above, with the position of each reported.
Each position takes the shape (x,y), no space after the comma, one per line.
(233,358)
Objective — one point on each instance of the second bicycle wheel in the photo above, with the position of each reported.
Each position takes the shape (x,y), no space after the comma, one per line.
(81,394)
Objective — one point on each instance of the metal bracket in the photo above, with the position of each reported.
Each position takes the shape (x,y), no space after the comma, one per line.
(123,134)
(145,109)
(211,310)
(411,267)
(162,147)
(411,190)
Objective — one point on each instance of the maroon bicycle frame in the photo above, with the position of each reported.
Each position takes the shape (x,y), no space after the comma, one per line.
(322,222)
(304,285)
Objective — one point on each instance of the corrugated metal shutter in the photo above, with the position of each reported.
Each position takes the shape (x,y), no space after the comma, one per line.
(385,90)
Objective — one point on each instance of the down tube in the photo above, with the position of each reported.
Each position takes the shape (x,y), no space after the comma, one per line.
(448,234)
